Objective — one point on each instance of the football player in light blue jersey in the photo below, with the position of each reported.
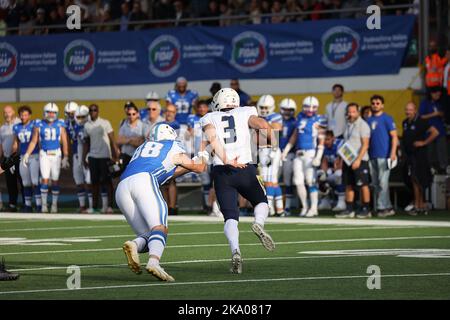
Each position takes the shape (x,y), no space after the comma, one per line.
(308,138)
(330,173)
(23,132)
(140,200)
(195,132)
(51,135)
(270,155)
(288,108)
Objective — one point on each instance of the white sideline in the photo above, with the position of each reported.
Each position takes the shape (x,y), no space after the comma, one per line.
(190,283)
(190,218)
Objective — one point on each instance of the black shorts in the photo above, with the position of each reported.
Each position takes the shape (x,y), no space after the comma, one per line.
(229,181)
(356,178)
(98,168)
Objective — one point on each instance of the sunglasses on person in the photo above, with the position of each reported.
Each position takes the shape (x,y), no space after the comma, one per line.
(131,114)
(376,103)
(93,110)
(152,109)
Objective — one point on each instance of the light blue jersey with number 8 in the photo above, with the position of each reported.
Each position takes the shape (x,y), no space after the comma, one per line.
(154,157)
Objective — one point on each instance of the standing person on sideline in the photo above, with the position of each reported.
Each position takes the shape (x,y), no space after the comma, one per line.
(227,130)
(30,174)
(215,86)
(434,66)
(154,117)
(432,109)
(447,87)
(244,98)
(356,175)
(140,200)
(131,134)
(335,111)
(102,148)
(6,144)
(382,152)
(152,96)
(417,135)
(51,134)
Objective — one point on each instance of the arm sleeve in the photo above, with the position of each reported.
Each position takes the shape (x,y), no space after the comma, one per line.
(390,124)
(205,120)
(108,127)
(365,130)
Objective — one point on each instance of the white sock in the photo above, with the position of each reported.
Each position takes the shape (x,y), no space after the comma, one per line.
(303,195)
(261,213)
(82,199)
(90,200)
(155,248)
(55,195)
(44,195)
(270,203)
(104,201)
(38,200)
(314,195)
(232,233)
(141,243)
(279,204)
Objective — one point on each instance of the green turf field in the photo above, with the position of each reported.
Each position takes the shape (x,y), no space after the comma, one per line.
(308,263)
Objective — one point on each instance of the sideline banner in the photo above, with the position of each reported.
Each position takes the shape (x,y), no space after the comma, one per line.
(328,48)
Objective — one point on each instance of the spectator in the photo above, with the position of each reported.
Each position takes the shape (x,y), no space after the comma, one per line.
(349,4)
(105,18)
(137,15)
(40,22)
(335,111)
(215,86)
(382,153)
(6,145)
(125,17)
(434,67)
(13,16)
(101,146)
(26,24)
(163,9)
(366,112)
(291,8)
(151,96)
(170,189)
(432,109)
(278,11)
(255,12)
(213,11)
(265,9)
(225,12)
(55,20)
(154,117)
(180,13)
(131,134)
(417,135)
(243,97)
(356,175)
(316,7)
(334,5)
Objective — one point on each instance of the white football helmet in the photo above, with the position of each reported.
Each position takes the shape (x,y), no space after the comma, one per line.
(310,105)
(70,107)
(81,115)
(152,96)
(288,107)
(162,131)
(51,107)
(265,105)
(224,99)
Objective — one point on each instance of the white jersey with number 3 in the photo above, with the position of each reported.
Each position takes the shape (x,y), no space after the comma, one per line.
(233,132)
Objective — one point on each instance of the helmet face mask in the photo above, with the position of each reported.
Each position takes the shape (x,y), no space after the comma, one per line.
(70,108)
(81,115)
(310,106)
(225,98)
(51,112)
(163,131)
(265,105)
(288,107)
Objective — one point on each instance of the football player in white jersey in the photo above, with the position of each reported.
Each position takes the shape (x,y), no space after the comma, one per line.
(51,135)
(139,197)
(308,137)
(270,155)
(233,172)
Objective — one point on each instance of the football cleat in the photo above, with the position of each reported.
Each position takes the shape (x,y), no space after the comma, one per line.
(345,214)
(263,236)
(54,209)
(236,262)
(341,206)
(6,275)
(130,250)
(311,213)
(44,209)
(157,271)
(303,212)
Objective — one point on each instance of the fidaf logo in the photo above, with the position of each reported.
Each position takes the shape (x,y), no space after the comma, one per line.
(249,52)
(8,61)
(164,56)
(340,48)
(79,60)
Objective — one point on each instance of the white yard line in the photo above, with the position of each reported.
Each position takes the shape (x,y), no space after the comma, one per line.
(218,282)
(205,233)
(118,217)
(242,245)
